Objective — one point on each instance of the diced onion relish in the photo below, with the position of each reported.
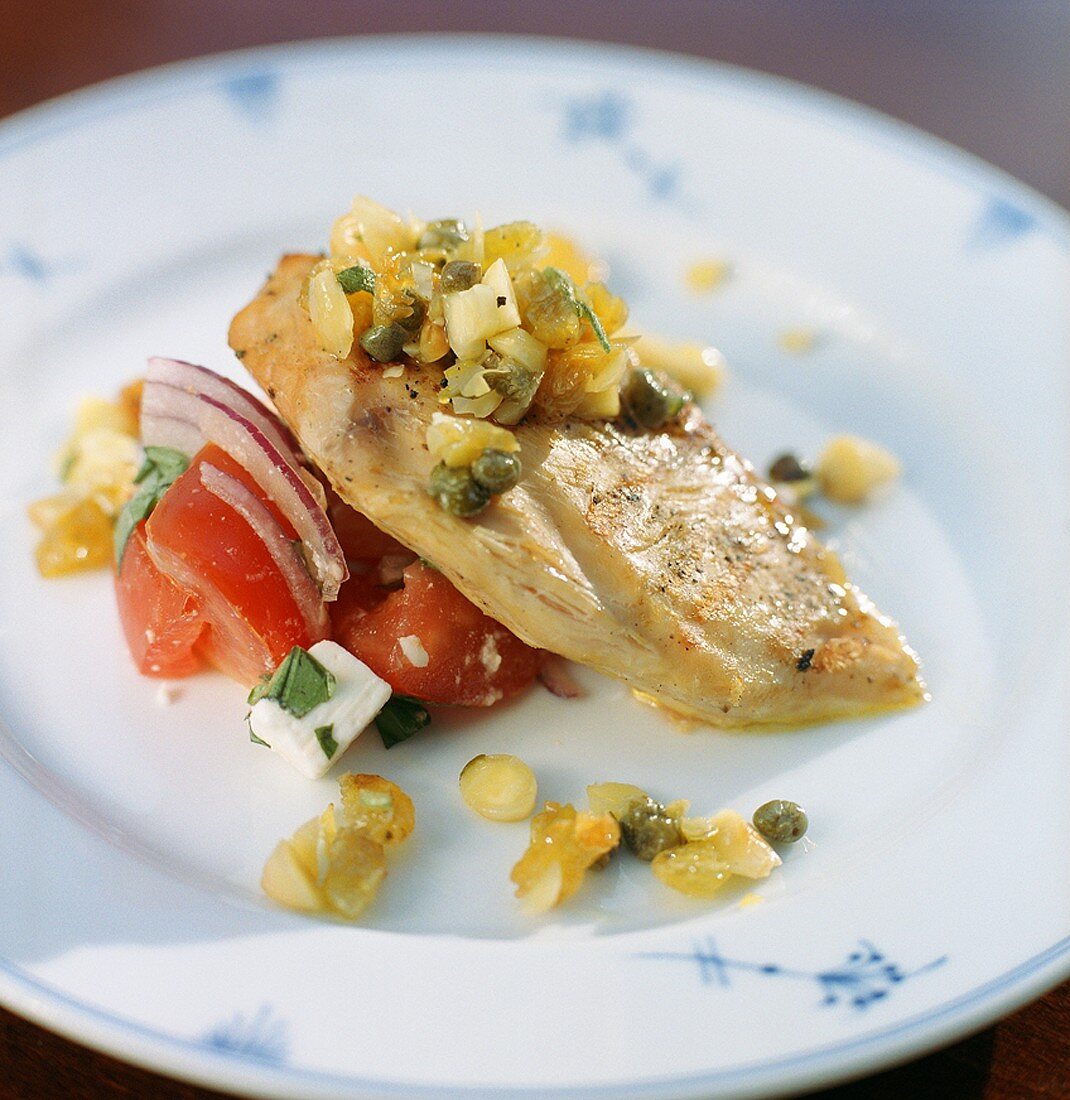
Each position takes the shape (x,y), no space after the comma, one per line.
(518,319)
(497,278)
(479,407)
(471,316)
(369,232)
(519,370)
(329,311)
(445,234)
(603,405)
(521,347)
(518,245)
(467,378)
(459,442)
(700,369)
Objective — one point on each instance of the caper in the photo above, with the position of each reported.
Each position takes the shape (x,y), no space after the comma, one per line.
(384,342)
(781,821)
(649,401)
(459,275)
(787,467)
(496,471)
(549,309)
(456,491)
(513,381)
(443,233)
(647,829)
(415,319)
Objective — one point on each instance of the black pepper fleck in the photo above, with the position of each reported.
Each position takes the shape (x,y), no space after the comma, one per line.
(804,661)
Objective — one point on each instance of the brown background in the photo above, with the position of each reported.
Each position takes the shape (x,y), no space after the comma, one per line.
(992,77)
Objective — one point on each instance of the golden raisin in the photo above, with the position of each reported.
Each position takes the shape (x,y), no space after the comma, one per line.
(695,868)
(518,244)
(356,867)
(80,539)
(562,387)
(564,845)
(377,807)
(611,310)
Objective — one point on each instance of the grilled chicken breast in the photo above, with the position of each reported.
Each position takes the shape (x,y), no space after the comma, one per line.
(659,558)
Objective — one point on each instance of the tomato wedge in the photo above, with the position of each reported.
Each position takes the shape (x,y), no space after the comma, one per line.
(257,602)
(161,620)
(471,660)
(361,540)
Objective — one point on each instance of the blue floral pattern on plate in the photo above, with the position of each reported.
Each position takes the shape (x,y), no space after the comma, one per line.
(27,264)
(609,117)
(262,1036)
(999,222)
(255,94)
(864,977)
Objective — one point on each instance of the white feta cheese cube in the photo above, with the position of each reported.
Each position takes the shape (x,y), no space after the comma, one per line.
(358,697)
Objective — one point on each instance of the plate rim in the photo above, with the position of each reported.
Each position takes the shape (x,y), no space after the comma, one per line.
(193,1061)
(159,1051)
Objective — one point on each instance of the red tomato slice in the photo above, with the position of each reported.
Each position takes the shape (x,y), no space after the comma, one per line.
(209,547)
(471,659)
(161,620)
(361,540)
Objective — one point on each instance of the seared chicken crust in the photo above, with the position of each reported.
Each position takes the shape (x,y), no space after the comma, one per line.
(659,558)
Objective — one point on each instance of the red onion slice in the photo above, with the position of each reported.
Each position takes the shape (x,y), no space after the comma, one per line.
(174,417)
(189,376)
(556,676)
(249,506)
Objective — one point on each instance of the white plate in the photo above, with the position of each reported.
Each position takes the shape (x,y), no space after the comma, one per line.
(936,893)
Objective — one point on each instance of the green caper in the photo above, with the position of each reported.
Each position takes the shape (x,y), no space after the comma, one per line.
(496,471)
(649,401)
(550,311)
(459,275)
(384,342)
(781,821)
(787,467)
(456,491)
(411,324)
(647,829)
(513,381)
(445,233)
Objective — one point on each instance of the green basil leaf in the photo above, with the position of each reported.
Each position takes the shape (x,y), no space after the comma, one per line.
(134,511)
(298,685)
(258,690)
(252,736)
(160,469)
(325,736)
(161,464)
(400,719)
(357,278)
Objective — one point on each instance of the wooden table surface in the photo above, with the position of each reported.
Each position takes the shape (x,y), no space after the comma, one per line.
(991,76)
